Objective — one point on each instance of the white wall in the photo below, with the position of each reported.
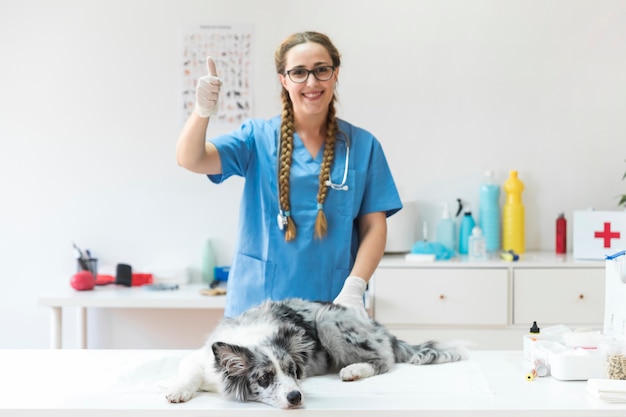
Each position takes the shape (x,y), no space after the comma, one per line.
(89,120)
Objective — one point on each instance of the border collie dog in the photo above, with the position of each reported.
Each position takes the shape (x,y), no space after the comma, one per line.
(263,354)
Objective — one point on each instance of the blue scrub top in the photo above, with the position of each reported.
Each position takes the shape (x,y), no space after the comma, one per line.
(265,266)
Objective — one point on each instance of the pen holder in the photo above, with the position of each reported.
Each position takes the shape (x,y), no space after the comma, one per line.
(90,264)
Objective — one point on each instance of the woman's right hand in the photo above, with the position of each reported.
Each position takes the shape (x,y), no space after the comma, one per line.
(207,91)
(193,151)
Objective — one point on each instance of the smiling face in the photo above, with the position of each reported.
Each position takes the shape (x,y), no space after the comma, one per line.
(312,97)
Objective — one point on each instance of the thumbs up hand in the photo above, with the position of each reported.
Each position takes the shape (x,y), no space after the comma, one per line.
(207,91)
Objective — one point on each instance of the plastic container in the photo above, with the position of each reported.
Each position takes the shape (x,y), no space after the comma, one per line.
(208,262)
(489,215)
(561,235)
(614,358)
(446,228)
(513,234)
(465,231)
(477,245)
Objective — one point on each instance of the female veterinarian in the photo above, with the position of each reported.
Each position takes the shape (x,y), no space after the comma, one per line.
(317,189)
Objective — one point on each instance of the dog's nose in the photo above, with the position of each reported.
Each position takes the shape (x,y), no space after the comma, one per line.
(294,397)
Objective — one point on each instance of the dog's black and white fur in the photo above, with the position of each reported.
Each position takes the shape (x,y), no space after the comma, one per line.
(263,354)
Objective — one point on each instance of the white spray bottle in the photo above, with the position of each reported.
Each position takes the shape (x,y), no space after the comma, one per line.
(446,229)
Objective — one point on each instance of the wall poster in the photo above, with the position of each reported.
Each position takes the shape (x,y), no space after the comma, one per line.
(231,49)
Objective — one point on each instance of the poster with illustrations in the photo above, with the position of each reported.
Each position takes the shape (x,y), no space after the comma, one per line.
(231,49)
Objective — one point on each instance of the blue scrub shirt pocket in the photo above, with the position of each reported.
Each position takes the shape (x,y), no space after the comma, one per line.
(248,287)
(343,200)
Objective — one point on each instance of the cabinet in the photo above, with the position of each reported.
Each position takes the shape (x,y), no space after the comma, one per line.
(442,296)
(558,295)
(491,303)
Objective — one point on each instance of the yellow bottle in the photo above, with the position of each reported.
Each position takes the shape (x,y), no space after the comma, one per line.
(513,215)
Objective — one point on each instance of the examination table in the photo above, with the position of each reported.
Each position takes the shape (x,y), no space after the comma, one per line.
(130,383)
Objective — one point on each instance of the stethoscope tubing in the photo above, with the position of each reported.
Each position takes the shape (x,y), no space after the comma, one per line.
(342,186)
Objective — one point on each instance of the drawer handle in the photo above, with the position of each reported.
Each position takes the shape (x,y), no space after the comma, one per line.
(581,296)
(441,296)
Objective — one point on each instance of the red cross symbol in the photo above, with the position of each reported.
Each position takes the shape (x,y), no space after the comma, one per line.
(607,235)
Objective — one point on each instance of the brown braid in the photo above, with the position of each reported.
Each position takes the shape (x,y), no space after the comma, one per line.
(321,225)
(287,130)
(286,154)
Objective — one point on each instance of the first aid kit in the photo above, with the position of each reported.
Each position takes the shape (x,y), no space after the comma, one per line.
(598,233)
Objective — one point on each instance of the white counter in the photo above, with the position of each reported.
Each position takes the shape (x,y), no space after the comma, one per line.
(187,296)
(526,260)
(129,383)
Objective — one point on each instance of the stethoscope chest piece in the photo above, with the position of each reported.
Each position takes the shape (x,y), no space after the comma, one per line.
(282,220)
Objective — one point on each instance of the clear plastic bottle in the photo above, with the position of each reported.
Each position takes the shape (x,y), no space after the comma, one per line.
(446,229)
(489,215)
(513,237)
(477,245)
(208,262)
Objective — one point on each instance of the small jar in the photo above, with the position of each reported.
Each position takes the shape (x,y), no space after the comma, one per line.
(614,353)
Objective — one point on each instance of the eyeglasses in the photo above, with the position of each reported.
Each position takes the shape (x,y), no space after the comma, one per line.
(300,75)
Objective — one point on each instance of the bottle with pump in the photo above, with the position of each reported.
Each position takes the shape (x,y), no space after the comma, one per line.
(561,234)
(208,262)
(477,245)
(446,229)
(465,231)
(513,215)
(489,215)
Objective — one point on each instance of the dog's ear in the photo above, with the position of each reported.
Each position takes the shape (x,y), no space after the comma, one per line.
(299,346)
(235,360)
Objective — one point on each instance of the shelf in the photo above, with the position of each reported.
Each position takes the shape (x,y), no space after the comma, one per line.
(527,260)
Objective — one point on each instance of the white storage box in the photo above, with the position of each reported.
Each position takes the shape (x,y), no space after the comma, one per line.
(598,233)
(576,364)
(565,362)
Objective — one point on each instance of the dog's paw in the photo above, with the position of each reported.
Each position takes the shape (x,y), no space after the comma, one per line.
(356,371)
(179,394)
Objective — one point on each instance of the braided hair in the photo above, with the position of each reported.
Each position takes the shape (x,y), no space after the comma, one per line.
(287,130)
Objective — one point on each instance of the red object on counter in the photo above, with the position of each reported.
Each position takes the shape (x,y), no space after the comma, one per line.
(102,279)
(561,234)
(138,278)
(83,281)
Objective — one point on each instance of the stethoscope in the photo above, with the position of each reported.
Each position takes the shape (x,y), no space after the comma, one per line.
(282,216)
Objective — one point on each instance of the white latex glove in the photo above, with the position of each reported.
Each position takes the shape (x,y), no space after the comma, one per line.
(207,91)
(351,295)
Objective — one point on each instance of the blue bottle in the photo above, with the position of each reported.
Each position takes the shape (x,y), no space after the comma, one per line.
(489,219)
(465,231)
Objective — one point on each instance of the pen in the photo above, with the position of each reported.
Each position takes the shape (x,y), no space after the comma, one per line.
(509,255)
(81,258)
(540,369)
(615,255)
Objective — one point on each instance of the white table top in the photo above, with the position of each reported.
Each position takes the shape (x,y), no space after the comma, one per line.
(118,296)
(130,383)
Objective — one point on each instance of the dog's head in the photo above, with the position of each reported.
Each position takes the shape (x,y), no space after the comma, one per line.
(269,372)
